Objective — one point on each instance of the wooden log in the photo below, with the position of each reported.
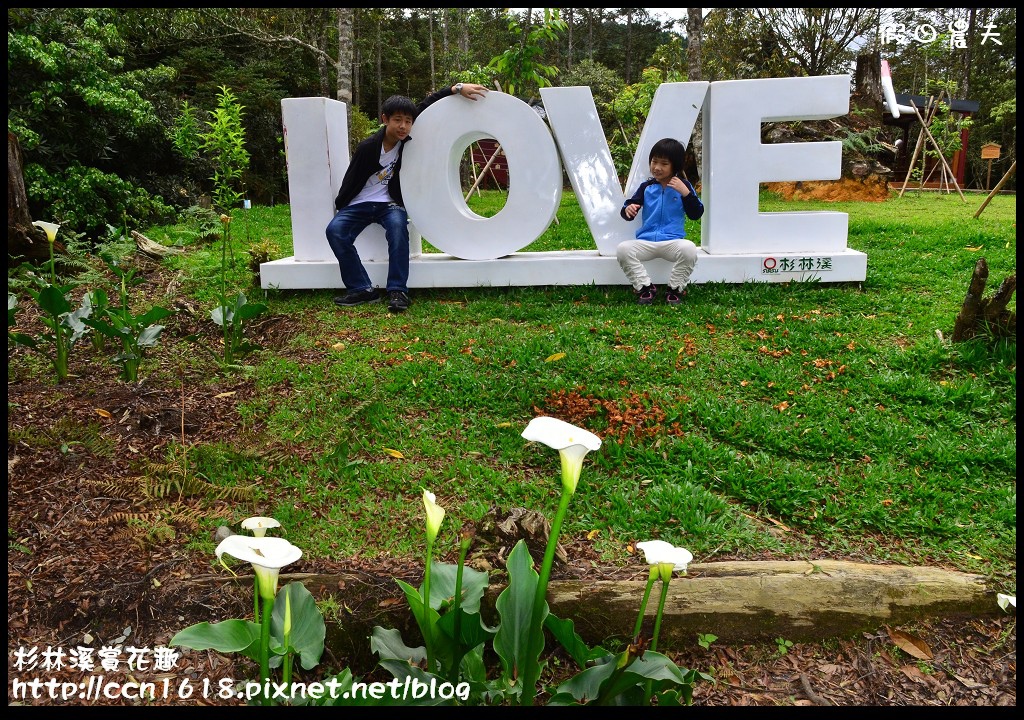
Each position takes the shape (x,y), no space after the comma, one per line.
(151,248)
(737,601)
(798,600)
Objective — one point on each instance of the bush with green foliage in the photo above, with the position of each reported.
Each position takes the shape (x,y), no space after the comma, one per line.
(87,199)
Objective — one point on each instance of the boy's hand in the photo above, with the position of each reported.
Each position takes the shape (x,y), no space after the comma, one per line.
(632,210)
(679,186)
(472,91)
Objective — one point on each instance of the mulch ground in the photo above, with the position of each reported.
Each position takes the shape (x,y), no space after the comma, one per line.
(98,555)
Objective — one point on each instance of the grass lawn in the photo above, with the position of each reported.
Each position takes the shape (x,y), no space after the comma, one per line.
(784,420)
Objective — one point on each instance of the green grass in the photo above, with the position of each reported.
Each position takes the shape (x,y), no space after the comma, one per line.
(800,419)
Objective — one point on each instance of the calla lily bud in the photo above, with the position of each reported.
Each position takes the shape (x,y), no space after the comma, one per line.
(435,514)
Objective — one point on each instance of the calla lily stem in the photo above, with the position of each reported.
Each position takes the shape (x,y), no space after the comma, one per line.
(657,619)
(428,630)
(531,673)
(643,603)
(456,608)
(268,610)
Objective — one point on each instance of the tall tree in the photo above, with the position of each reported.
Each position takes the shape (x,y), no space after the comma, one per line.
(346,42)
(818,40)
(694,47)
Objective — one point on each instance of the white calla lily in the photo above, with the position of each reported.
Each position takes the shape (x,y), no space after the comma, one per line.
(49,228)
(259,525)
(1006,600)
(266,554)
(571,442)
(435,514)
(667,557)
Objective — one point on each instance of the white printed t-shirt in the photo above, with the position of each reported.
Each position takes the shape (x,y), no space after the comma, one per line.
(376,187)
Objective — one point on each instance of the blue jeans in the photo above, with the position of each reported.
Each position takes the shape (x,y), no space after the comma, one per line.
(345,227)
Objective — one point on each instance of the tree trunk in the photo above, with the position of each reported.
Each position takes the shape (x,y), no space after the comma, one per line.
(986,316)
(695,39)
(629,46)
(23,240)
(569,24)
(433,69)
(868,81)
(345,38)
(380,72)
(463,59)
(445,45)
(965,91)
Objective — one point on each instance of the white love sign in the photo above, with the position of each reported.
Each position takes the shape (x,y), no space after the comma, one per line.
(738,243)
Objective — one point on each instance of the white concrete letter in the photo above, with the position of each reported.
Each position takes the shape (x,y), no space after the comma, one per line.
(588,161)
(735,162)
(432,188)
(316,151)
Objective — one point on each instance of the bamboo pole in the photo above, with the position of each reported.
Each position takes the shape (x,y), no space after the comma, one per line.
(913,159)
(939,150)
(996,189)
(483,172)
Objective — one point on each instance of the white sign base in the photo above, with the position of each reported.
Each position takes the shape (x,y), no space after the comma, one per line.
(569,267)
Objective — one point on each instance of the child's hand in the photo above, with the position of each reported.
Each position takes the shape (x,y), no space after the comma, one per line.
(679,186)
(632,210)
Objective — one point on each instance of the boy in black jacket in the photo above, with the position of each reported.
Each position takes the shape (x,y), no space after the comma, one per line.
(371,192)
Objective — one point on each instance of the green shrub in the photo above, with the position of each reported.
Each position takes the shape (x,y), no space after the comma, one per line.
(86,200)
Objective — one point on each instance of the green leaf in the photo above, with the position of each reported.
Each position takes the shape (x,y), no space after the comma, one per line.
(23,339)
(515,608)
(150,335)
(250,310)
(153,315)
(442,586)
(564,631)
(241,636)
(403,670)
(388,644)
(308,628)
(472,630)
(219,312)
(53,301)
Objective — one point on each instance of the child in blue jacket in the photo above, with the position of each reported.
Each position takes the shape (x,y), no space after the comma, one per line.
(664,197)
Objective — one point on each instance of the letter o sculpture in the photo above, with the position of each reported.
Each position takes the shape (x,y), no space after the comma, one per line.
(433,189)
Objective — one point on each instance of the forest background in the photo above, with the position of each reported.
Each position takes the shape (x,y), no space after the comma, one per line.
(97,96)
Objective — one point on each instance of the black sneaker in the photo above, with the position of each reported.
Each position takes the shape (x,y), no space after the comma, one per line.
(398,301)
(674,296)
(646,295)
(361,297)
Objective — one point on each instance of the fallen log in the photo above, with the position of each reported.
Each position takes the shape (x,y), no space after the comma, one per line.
(737,601)
(151,248)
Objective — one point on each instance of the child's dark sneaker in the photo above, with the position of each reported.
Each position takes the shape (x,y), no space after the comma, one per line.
(646,295)
(673,296)
(360,297)
(398,301)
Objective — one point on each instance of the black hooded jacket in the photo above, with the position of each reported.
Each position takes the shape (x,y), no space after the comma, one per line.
(366,161)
